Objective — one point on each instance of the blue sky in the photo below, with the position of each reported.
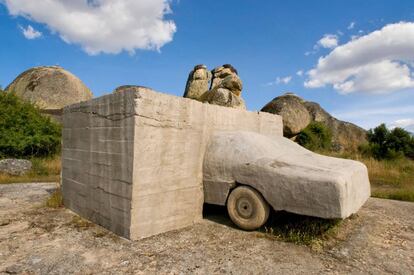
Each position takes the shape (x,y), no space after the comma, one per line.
(355,56)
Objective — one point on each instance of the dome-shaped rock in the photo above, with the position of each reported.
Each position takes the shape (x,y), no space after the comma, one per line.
(295,115)
(49,88)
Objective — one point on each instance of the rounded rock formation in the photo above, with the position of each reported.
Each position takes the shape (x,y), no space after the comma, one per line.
(346,136)
(298,113)
(295,115)
(50,88)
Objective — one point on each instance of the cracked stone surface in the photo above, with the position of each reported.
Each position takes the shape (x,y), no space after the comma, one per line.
(38,240)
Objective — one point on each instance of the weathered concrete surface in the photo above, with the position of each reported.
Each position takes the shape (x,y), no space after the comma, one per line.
(289,177)
(39,240)
(132,161)
(97,160)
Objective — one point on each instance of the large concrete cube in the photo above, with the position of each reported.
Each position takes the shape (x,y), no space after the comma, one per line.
(132,161)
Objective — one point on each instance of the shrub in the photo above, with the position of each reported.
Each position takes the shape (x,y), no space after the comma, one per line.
(316,137)
(386,144)
(24,132)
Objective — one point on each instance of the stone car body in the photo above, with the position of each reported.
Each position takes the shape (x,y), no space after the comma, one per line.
(250,172)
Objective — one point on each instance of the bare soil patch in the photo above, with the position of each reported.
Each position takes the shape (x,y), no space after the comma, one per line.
(41,240)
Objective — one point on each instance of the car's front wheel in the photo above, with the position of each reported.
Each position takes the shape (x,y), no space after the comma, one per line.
(247,208)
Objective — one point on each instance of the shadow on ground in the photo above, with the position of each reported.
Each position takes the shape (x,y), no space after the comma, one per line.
(282,225)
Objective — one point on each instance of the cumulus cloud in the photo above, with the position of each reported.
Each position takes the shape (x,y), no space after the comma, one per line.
(299,73)
(30,33)
(102,26)
(328,41)
(378,62)
(407,124)
(280,80)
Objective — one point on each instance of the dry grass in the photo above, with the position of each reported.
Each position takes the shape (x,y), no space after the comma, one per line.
(43,170)
(390,179)
(56,199)
(80,223)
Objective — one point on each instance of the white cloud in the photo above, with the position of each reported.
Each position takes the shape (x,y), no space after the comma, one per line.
(351,26)
(30,32)
(299,73)
(407,124)
(280,80)
(102,26)
(378,62)
(283,80)
(328,41)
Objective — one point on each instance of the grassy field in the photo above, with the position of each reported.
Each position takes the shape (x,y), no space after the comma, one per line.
(390,179)
(43,170)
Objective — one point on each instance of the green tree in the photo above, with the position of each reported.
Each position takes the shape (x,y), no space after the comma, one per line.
(24,132)
(386,144)
(316,137)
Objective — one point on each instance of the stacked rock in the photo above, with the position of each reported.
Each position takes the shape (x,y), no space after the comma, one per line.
(198,82)
(225,89)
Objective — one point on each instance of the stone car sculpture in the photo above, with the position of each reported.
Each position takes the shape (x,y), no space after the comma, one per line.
(251,173)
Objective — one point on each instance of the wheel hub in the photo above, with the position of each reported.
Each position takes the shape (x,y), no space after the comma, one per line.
(244,208)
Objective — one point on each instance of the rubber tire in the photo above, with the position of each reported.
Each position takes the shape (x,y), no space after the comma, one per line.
(247,208)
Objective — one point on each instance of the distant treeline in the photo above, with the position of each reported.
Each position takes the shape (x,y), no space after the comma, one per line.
(383,143)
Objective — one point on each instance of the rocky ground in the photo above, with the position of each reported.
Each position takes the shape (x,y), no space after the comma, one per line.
(36,239)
